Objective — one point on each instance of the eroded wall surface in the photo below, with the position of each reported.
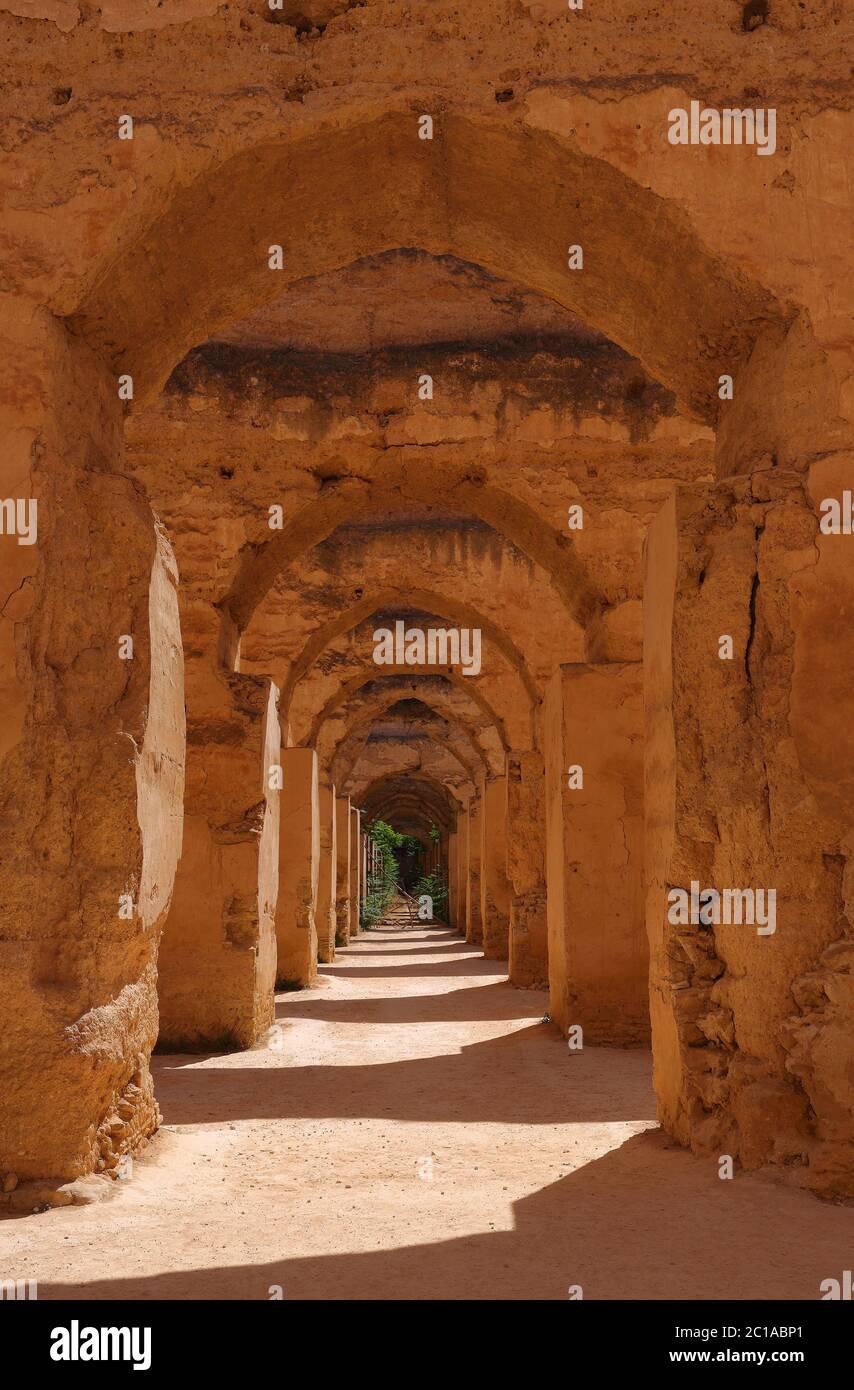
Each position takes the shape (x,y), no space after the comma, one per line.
(148,259)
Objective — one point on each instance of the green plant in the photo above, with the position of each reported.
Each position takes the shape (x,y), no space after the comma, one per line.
(372,908)
(409,845)
(435,886)
(382,875)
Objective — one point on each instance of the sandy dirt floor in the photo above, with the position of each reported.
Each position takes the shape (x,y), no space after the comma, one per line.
(412,1129)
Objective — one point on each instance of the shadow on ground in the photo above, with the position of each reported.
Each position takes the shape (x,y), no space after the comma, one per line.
(645,1221)
(509,1080)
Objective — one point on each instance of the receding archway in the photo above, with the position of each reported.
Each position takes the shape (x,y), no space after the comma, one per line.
(478,190)
(412,715)
(405,598)
(388,701)
(345,499)
(393,790)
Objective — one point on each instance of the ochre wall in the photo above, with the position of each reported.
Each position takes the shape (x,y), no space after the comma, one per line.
(139,257)
(598,955)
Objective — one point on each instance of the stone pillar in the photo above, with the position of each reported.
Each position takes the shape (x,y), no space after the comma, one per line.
(92,770)
(526,869)
(462,871)
(453,870)
(342,877)
(443,866)
(355,870)
(598,951)
(217,962)
(746,790)
(327,873)
(494,884)
(474,923)
(792,429)
(299,867)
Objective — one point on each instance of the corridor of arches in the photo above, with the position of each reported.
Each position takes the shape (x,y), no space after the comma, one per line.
(364,505)
(424,627)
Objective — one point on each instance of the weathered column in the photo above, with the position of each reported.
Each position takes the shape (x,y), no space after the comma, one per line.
(474,923)
(92,747)
(494,884)
(462,871)
(299,868)
(443,868)
(598,951)
(748,792)
(217,962)
(355,870)
(526,869)
(342,877)
(327,871)
(453,871)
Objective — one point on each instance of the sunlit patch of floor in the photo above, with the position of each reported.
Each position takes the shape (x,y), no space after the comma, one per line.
(414,1129)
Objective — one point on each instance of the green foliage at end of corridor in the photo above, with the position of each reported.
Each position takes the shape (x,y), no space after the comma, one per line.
(383,875)
(435,886)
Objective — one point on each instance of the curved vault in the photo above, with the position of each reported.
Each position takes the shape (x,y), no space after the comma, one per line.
(392,757)
(426,564)
(351,653)
(416,792)
(334,738)
(345,499)
(416,744)
(406,598)
(404,678)
(408,718)
(475,191)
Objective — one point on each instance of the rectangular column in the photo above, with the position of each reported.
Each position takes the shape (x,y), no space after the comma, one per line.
(749,790)
(526,869)
(453,870)
(494,884)
(743,1042)
(355,870)
(217,960)
(299,867)
(327,872)
(474,925)
(598,953)
(342,877)
(462,871)
(92,771)
(729,811)
(362,865)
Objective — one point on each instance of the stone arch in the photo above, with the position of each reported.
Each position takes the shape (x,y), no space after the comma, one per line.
(503,692)
(202,260)
(381,795)
(361,728)
(381,703)
(368,677)
(415,480)
(437,759)
(354,749)
(429,602)
(491,189)
(461,556)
